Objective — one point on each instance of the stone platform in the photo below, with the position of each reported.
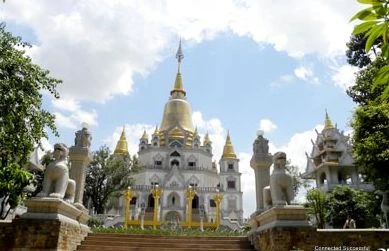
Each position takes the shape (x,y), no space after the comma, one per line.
(53,208)
(282,216)
(49,224)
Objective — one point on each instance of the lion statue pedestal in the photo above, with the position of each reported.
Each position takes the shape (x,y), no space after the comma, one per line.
(53,218)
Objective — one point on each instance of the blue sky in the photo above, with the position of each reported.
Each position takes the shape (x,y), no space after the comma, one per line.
(248,65)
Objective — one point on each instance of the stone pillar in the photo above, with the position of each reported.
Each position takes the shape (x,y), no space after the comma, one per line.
(261,162)
(80,156)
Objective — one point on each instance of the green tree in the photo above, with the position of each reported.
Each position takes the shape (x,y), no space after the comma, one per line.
(317,206)
(107,177)
(371,126)
(22,118)
(375,27)
(371,143)
(356,54)
(361,206)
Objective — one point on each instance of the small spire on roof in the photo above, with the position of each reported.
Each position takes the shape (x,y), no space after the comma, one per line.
(179,55)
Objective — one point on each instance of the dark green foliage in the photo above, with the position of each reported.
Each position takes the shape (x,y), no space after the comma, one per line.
(356,54)
(95,222)
(362,92)
(373,26)
(13,179)
(371,127)
(22,118)
(361,206)
(371,143)
(107,176)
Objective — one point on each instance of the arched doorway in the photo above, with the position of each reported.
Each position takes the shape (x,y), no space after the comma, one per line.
(150,202)
(195,201)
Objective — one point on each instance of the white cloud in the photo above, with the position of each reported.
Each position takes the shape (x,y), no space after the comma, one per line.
(283,80)
(298,144)
(306,73)
(344,76)
(267,125)
(71,115)
(97,48)
(303,72)
(247,184)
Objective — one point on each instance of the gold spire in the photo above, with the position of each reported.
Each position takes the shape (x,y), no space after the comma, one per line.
(328,122)
(145,136)
(206,139)
(121,146)
(177,112)
(178,85)
(156,131)
(228,151)
(196,133)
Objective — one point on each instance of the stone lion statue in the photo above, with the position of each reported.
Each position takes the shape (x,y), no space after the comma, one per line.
(56,182)
(280,192)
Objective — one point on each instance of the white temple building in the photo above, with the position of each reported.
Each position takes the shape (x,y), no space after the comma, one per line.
(175,157)
(331,162)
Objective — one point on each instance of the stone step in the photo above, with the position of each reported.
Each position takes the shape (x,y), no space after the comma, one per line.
(121,242)
(178,243)
(166,237)
(154,248)
(166,240)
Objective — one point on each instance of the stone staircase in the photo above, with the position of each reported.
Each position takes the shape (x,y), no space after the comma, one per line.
(121,242)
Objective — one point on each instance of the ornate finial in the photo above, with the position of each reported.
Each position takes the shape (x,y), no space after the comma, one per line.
(145,135)
(179,55)
(228,151)
(156,131)
(121,146)
(328,122)
(178,89)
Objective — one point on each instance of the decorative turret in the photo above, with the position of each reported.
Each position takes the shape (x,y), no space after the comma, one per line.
(177,114)
(228,151)
(230,181)
(143,141)
(122,146)
(207,141)
(196,139)
(145,136)
(155,138)
(331,162)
